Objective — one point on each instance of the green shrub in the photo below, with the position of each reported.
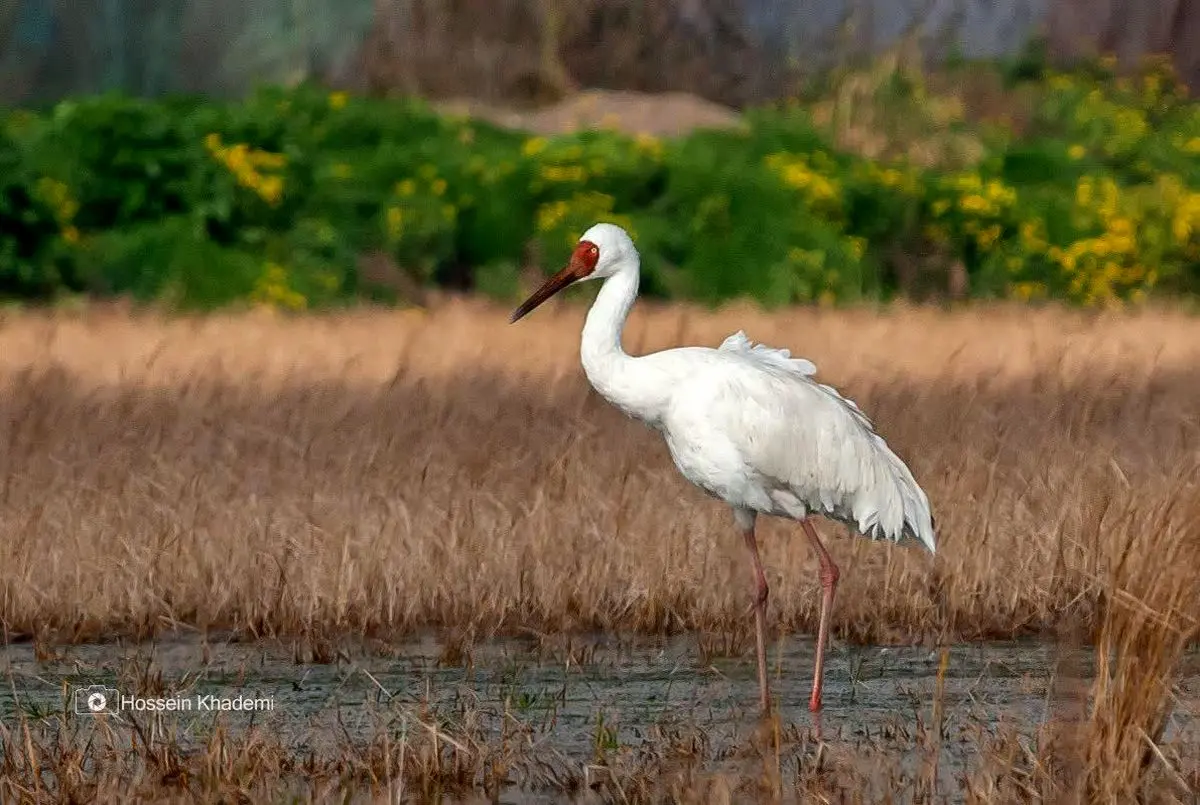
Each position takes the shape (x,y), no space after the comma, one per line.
(29,229)
(770,227)
(170,260)
(276,199)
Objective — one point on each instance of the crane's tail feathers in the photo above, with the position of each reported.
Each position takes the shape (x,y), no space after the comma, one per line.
(918,519)
(903,512)
(890,504)
(780,358)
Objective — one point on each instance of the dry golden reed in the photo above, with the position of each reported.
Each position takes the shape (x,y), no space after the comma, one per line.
(383,471)
(375,472)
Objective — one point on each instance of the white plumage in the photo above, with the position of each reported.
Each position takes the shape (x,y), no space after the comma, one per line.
(801,447)
(746,423)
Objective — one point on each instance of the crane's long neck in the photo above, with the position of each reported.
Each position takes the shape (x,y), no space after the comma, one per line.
(609,369)
(602,329)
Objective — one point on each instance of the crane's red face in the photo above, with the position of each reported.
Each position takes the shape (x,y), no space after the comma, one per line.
(580,266)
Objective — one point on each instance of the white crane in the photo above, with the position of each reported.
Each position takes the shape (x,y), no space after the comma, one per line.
(749,425)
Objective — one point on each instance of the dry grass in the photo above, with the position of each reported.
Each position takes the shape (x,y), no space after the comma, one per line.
(387,471)
(376,472)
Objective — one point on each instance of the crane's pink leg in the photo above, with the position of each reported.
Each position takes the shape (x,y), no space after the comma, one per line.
(760,619)
(829,580)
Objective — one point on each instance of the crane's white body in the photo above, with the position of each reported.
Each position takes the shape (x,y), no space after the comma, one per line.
(749,424)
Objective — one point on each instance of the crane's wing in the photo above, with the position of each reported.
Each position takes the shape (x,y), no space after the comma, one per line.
(814,450)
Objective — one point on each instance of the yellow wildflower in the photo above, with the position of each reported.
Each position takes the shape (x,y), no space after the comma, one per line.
(549,215)
(563,173)
(271,289)
(1033,236)
(270,189)
(974,203)
(248,166)
(795,172)
(987,237)
(1000,194)
(395,222)
(579,210)
(1028,290)
(649,144)
(1083,191)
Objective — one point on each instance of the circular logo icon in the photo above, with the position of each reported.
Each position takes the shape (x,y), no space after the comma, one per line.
(96,702)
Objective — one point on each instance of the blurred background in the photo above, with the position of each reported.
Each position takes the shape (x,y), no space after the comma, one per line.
(520,51)
(304,152)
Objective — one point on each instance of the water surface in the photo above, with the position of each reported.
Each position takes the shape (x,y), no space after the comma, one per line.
(579,698)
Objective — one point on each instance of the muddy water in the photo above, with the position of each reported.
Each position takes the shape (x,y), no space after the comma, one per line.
(569,695)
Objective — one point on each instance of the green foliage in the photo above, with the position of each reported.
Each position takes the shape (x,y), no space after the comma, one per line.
(169,260)
(751,225)
(28,253)
(276,199)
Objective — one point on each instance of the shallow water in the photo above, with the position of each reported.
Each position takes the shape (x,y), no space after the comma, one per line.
(878,694)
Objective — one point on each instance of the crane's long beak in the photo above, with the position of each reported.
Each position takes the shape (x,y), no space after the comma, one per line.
(574,270)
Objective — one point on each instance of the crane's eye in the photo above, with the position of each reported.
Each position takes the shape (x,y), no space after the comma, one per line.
(594,250)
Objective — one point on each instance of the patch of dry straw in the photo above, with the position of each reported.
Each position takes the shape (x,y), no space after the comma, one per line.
(377,472)
(383,471)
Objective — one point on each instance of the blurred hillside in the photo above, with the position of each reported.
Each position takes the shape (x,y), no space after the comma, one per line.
(513,51)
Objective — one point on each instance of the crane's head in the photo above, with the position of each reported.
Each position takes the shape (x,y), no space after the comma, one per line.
(603,250)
